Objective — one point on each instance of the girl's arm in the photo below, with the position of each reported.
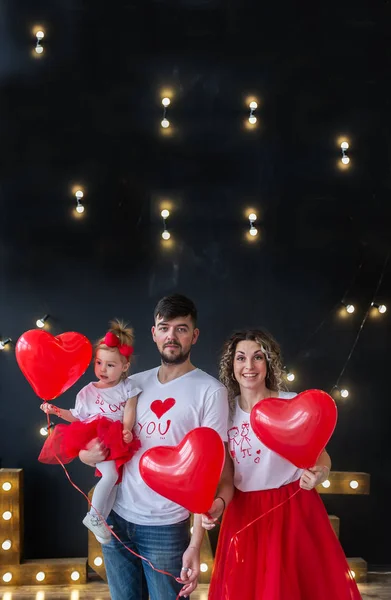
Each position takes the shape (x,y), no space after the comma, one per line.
(50,409)
(129,418)
(224,494)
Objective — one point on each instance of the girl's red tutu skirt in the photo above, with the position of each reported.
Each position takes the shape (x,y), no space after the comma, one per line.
(66,441)
(292,553)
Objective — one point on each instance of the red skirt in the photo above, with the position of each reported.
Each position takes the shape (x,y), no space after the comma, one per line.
(66,441)
(290,554)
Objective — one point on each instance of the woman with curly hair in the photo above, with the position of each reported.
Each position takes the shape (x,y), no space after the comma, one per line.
(276,541)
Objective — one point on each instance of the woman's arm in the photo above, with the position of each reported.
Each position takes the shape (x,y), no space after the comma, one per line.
(318,473)
(224,493)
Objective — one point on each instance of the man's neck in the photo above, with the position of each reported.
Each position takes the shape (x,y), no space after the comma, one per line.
(168,373)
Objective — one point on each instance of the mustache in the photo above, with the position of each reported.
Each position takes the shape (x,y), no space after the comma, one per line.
(172,344)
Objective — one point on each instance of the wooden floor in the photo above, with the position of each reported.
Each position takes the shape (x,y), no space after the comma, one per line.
(99,591)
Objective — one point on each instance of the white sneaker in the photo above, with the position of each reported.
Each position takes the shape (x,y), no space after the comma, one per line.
(98,528)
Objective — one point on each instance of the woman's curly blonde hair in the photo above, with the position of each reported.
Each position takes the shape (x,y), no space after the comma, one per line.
(269,347)
(124,334)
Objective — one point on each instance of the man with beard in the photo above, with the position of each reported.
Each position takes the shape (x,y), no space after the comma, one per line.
(176,398)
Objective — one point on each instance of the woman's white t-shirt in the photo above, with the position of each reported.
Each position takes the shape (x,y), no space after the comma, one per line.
(256,467)
(110,402)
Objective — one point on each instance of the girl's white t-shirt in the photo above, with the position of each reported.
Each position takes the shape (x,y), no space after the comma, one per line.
(166,412)
(110,402)
(256,467)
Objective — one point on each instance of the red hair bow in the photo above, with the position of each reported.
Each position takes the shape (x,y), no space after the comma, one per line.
(112,341)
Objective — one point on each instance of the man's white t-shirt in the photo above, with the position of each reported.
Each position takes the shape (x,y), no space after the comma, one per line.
(110,402)
(256,467)
(166,412)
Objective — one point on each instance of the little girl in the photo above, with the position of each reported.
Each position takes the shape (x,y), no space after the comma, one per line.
(105,409)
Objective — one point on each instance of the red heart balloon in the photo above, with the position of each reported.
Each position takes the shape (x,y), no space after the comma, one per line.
(52,364)
(187,474)
(297,429)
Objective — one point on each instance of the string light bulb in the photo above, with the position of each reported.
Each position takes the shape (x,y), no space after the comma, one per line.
(98,561)
(7,515)
(252,119)
(252,217)
(382,308)
(45,430)
(3,343)
(165,123)
(39,37)
(350,308)
(41,322)
(344,147)
(290,376)
(344,393)
(165,214)
(79,205)
(7,485)
(353,574)
(326,484)
(203,567)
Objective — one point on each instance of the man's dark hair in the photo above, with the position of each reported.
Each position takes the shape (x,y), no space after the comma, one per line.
(175,305)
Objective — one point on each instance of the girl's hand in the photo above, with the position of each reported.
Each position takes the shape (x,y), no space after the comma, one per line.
(127,435)
(312,477)
(49,409)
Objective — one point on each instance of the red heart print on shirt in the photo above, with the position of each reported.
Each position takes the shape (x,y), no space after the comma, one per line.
(160,407)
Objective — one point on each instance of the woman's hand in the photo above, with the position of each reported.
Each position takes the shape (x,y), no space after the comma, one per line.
(310,478)
(95,452)
(209,519)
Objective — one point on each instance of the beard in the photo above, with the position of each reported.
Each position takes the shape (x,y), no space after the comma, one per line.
(175,359)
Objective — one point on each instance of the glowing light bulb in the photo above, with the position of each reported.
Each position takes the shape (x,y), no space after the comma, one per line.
(6,486)
(79,194)
(326,484)
(166,235)
(40,576)
(353,574)
(252,120)
(203,567)
(7,577)
(290,376)
(165,123)
(75,575)
(43,431)
(344,145)
(345,160)
(344,393)
(40,323)
(39,49)
(80,208)
(350,309)
(252,217)
(40,35)
(7,515)
(382,308)
(166,101)
(6,545)
(354,484)
(165,213)
(253,231)
(98,561)
(253,105)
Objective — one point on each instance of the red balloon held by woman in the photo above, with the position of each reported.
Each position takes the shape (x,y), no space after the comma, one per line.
(298,429)
(52,364)
(187,474)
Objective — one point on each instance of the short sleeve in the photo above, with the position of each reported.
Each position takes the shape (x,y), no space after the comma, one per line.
(131,389)
(81,411)
(216,411)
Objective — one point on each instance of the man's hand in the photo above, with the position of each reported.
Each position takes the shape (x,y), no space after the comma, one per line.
(95,452)
(127,436)
(190,571)
(310,478)
(209,519)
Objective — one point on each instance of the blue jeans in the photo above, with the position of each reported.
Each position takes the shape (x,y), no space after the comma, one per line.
(131,578)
